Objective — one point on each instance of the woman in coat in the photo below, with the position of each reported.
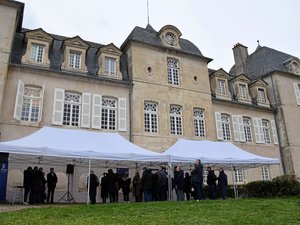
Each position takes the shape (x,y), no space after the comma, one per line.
(137,187)
(125,185)
(104,192)
(222,183)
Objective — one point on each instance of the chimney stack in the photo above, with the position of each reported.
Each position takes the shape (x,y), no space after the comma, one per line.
(240,53)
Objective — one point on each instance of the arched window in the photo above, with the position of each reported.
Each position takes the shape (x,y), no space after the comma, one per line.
(150,117)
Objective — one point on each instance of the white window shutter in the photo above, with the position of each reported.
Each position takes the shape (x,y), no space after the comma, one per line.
(41,103)
(19,101)
(297,92)
(274,132)
(235,124)
(122,114)
(241,128)
(86,110)
(96,111)
(258,130)
(219,126)
(58,106)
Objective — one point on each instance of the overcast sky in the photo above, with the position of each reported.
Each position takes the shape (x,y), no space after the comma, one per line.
(214,26)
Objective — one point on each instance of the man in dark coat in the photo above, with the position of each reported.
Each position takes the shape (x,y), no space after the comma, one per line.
(211,181)
(197,180)
(222,183)
(27,181)
(125,185)
(112,181)
(94,183)
(51,184)
(179,183)
(147,179)
(161,184)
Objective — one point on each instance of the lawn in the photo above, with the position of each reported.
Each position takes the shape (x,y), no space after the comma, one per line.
(243,211)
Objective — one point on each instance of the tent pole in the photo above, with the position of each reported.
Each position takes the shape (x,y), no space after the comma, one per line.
(89,180)
(233,179)
(169,181)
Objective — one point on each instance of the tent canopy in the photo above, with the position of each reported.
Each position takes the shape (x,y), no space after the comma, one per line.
(111,147)
(223,154)
(80,144)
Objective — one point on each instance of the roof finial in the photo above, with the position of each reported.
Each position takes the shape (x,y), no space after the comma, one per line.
(258,43)
(148,12)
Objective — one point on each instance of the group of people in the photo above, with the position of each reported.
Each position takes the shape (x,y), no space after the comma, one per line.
(153,184)
(34,184)
(110,184)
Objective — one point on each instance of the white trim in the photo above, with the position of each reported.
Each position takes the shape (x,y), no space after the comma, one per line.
(96,111)
(86,110)
(58,106)
(219,129)
(274,132)
(122,114)
(19,101)
(297,92)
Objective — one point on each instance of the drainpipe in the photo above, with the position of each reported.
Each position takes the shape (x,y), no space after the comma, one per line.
(130,112)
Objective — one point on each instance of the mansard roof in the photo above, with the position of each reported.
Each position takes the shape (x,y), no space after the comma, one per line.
(56,54)
(151,37)
(263,61)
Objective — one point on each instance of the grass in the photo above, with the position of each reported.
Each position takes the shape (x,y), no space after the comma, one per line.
(243,211)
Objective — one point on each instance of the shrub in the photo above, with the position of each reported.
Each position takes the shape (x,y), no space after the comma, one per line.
(280,186)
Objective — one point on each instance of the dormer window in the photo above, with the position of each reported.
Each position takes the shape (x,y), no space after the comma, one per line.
(75,50)
(110,66)
(222,86)
(75,59)
(109,62)
(261,96)
(37,50)
(243,91)
(295,67)
(169,36)
(37,53)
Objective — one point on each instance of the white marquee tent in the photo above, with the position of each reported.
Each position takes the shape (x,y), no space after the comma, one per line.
(223,154)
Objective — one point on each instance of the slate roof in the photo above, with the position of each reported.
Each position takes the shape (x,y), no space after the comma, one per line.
(263,61)
(56,54)
(150,36)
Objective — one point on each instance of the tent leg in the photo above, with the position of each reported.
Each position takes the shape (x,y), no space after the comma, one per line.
(233,179)
(88,184)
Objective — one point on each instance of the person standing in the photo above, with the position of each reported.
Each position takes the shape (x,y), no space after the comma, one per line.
(136,187)
(197,180)
(112,181)
(222,183)
(147,181)
(104,192)
(211,181)
(94,183)
(125,185)
(27,181)
(187,187)
(179,183)
(51,184)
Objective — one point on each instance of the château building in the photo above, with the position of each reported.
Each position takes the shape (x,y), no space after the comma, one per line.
(154,89)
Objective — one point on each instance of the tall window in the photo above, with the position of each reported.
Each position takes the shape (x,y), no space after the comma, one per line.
(173,72)
(31,104)
(109,110)
(222,87)
(265,173)
(176,120)
(243,91)
(71,109)
(226,127)
(150,117)
(239,176)
(199,124)
(247,129)
(266,131)
(110,66)
(75,59)
(261,95)
(37,53)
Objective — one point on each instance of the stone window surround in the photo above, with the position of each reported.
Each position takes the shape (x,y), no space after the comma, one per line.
(101,72)
(26,58)
(227,96)
(247,99)
(66,64)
